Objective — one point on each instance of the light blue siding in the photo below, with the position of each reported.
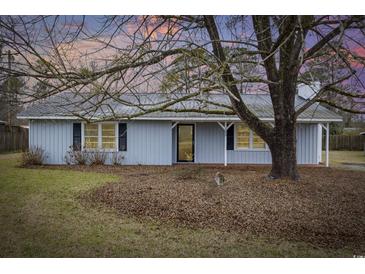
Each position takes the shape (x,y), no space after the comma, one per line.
(308,146)
(307,149)
(209,146)
(148,142)
(209,143)
(248,157)
(154,143)
(174,147)
(53,136)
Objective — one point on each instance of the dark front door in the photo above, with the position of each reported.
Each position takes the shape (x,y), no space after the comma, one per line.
(185,143)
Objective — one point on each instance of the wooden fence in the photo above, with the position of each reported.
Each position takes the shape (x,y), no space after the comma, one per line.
(345,142)
(13,138)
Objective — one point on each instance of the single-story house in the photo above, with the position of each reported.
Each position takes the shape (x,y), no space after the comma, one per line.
(167,137)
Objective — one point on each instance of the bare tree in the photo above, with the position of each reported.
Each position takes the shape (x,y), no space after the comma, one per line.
(195,55)
(10,86)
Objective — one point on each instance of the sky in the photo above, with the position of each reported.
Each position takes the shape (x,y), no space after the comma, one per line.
(82,52)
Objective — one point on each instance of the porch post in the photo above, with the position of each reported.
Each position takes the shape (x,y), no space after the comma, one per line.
(225,143)
(327,143)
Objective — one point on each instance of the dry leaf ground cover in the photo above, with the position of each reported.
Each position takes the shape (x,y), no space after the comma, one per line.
(326,208)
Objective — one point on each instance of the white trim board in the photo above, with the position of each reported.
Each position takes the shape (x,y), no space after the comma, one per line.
(176,119)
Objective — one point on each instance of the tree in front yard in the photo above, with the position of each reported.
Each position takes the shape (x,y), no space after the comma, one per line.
(197,55)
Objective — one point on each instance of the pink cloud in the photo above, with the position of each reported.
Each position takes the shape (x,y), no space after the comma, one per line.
(359,52)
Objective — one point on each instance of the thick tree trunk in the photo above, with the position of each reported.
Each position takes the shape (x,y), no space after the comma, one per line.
(283,152)
(283,83)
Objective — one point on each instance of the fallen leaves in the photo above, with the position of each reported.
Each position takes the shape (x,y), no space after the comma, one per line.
(326,208)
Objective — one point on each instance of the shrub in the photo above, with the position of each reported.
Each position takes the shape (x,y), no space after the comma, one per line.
(97,157)
(33,156)
(76,157)
(117,159)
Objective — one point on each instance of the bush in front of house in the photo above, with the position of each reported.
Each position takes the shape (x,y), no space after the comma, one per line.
(97,157)
(33,156)
(117,159)
(76,156)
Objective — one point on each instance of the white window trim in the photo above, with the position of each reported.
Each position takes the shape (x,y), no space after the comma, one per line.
(100,139)
(116,136)
(250,148)
(82,135)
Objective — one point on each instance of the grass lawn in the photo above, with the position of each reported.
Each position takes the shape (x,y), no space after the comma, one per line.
(342,159)
(42,215)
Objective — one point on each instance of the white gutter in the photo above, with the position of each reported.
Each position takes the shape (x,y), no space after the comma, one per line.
(48,117)
(176,119)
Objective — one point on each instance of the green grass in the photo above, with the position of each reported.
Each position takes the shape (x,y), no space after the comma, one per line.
(338,158)
(41,216)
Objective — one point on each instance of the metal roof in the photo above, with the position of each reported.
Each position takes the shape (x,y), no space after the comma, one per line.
(66,105)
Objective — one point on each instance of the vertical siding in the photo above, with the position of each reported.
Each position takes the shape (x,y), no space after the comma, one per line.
(154,143)
(174,147)
(209,143)
(307,143)
(248,157)
(209,146)
(149,143)
(53,136)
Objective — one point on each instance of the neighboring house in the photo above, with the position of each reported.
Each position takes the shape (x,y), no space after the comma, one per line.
(168,137)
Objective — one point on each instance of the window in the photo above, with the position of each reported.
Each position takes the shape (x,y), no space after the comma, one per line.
(100,136)
(230,138)
(91,136)
(245,138)
(108,136)
(242,136)
(257,142)
(122,130)
(76,132)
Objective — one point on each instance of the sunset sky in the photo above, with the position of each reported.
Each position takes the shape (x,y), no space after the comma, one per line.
(354,39)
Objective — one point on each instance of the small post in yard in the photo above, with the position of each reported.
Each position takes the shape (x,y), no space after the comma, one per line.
(327,143)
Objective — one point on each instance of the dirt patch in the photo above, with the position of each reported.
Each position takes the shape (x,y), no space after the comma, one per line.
(326,208)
